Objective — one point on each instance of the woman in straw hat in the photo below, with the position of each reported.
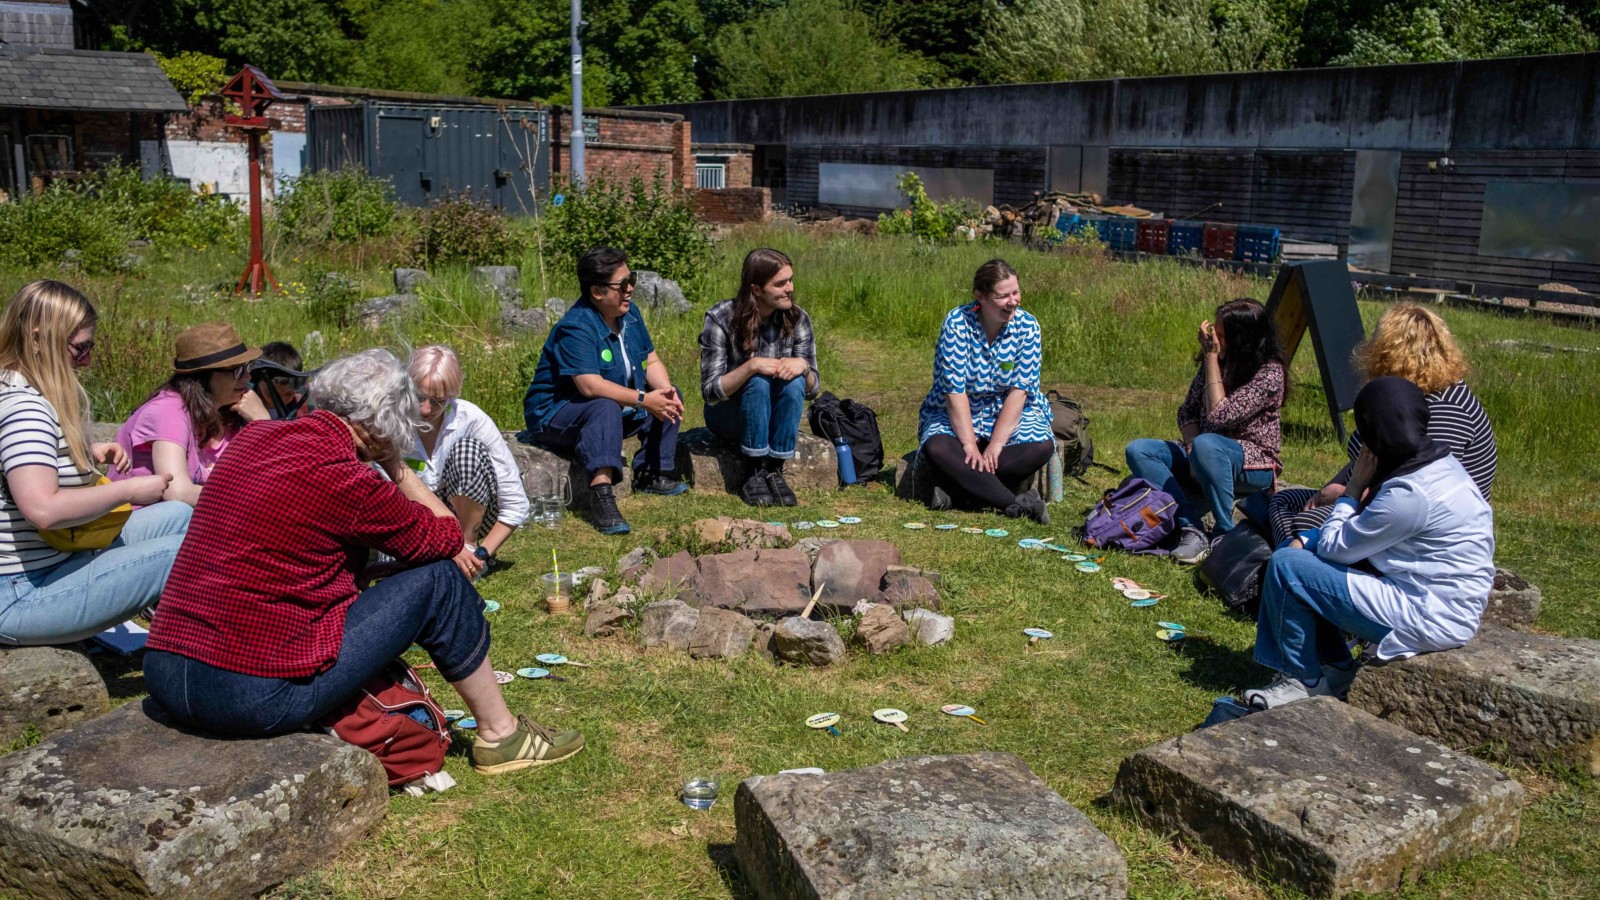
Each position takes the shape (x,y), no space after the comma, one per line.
(52,595)
(187,423)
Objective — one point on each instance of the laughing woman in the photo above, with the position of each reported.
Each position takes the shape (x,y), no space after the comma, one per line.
(758,366)
(985,424)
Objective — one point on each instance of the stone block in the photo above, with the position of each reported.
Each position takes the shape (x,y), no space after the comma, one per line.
(711,465)
(49,688)
(929,627)
(658,294)
(597,592)
(909,589)
(1323,797)
(668,623)
(740,534)
(406,281)
(676,575)
(605,619)
(556,307)
(720,634)
(913,480)
(498,278)
(378,310)
(1510,694)
(1513,602)
(853,570)
(880,629)
(935,827)
(635,563)
(807,642)
(516,318)
(130,805)
(769,583)
(545,471)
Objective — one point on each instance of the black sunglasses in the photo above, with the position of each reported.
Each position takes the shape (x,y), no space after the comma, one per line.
(630,281)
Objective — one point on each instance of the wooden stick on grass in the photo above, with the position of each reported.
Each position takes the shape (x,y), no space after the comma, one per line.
(806,613)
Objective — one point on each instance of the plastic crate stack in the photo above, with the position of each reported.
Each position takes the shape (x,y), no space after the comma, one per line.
(1258,243)
(1153,235)
(1184,238)
(1178,237)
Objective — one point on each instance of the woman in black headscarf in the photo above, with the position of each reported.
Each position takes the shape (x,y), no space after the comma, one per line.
(1407,573)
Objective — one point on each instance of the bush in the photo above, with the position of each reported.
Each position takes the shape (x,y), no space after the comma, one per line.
(460,230)
(341,206)
(924,218)
(164,211)
(652,221)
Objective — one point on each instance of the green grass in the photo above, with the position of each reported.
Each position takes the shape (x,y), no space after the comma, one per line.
(1118,336)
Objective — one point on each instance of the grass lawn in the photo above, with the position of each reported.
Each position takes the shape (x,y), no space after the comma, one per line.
(1120,337)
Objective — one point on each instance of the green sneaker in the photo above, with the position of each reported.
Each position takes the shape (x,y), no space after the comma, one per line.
(532,745)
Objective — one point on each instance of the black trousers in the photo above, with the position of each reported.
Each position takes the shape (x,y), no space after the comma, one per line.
(969,488)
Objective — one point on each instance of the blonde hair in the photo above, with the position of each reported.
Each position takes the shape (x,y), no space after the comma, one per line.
(436,362)
(1415,344)
(35,329)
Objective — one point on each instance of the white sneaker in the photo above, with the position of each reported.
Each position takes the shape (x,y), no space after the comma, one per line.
(1283,689)
(1192,547)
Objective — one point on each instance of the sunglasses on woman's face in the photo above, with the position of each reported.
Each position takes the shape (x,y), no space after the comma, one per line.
(81,351)
(238,372)
(630,281)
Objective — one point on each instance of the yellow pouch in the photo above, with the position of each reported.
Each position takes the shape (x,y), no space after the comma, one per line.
(95,535)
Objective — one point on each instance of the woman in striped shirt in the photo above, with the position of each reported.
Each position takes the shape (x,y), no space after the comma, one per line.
(1413,343)
(52,596)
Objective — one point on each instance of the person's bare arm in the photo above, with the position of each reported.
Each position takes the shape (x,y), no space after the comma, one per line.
(169,459)
(43,501)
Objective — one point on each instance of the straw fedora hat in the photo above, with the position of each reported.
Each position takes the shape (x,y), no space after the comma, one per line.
(213,345)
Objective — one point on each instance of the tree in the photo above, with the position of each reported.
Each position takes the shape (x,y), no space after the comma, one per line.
(811,47)
(1466,29)
(418,45)
(945,32)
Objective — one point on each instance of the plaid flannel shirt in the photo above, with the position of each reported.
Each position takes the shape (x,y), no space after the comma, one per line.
(721,352)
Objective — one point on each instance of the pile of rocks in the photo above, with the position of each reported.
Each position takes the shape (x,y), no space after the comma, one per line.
(754,594)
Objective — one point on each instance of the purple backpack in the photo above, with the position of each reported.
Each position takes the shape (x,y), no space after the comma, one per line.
(1136,516)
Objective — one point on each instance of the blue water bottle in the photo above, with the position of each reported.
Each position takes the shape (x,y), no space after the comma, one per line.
(847,463)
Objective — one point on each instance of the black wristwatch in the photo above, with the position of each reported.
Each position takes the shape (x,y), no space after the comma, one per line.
(481,553)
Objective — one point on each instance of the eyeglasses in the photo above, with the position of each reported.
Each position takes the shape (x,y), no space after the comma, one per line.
(436,401)
(238,372)
(80,352)
(289,381)
(630,281)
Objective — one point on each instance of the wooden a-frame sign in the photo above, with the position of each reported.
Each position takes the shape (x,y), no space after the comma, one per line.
(1316,294)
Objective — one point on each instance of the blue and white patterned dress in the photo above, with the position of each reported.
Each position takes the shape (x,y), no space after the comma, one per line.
(966,363)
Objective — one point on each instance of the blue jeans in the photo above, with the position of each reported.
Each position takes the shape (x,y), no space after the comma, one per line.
(763,417)
(92,590)
(1215,467)
(596,427)
(433,606)
(1305,612)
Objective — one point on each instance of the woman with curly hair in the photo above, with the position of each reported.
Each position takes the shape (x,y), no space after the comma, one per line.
(1229,424)
(1413,343)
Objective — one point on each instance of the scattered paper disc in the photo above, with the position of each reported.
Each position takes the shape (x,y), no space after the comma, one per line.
(891,716)
(1056,547)
(777,524)
(997,532)
(1170,635)
(1074,557)
(1136,593)
(534,672)
(1124,584)
(972,529)
(827,523)
(503,677)
(946,527)
(468,722)
(915,526)
(490,606)
(1037,633)
(823,720)
(1087,566)
(849,520)
(552,659)
(1147,601)
(957,709)
(1173,626)
(804,525)
(453,715)
(1031,544)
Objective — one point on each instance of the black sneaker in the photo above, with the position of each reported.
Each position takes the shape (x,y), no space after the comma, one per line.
(1030,504)
(603,506)
(757,491)
(941,499)
(782,494)
(656,483)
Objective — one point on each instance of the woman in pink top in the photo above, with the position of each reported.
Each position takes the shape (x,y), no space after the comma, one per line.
(187,423)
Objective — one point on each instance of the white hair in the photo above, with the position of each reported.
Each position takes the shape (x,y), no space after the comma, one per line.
(438,364)
(371,389)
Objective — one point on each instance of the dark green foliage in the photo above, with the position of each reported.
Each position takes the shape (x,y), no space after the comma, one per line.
(651,221)
(460,230)
(339,206)
(812,47)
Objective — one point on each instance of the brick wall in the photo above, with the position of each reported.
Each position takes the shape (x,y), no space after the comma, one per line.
(732,206)
(628,144)
(97,138)
(738,160)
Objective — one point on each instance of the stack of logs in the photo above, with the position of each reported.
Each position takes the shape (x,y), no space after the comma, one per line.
(1006,221)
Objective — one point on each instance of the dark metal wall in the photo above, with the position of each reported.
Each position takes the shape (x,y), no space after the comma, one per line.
(433,151)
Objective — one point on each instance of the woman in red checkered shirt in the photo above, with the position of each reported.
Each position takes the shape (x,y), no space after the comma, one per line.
(261,630)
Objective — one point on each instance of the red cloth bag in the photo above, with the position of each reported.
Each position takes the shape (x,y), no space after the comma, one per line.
(395,719)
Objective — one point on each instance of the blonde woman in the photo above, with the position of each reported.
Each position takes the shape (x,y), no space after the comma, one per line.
(462,457)
(1413,343)
(53,596)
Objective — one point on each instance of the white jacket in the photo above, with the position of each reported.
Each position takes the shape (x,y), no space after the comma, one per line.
(463,420)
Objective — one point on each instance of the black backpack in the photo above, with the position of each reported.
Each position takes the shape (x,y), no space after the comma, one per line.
(832,418)
(1235,566)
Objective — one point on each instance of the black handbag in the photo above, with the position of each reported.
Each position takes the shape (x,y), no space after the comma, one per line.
(1235,566)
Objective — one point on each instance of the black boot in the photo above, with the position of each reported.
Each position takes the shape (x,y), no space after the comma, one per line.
(603,505)
(782,494)
(756,490)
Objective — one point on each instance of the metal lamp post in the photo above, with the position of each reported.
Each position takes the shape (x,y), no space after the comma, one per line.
(577,94)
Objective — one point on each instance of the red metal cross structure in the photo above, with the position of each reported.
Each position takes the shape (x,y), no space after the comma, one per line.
(254,92)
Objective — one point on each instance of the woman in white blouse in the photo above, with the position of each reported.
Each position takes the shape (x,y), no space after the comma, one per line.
(462,456)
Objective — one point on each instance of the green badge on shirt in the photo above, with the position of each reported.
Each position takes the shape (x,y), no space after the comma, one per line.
(606,354)
(1007,365)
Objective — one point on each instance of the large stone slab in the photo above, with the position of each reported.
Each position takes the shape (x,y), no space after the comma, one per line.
(770,583)
(130,806)
(1509,694)
(720,634)
(1323,797)
(677,575)
(48,688)
(933,827)
(711,465)
(1513,602)
(853,570)
(668,622)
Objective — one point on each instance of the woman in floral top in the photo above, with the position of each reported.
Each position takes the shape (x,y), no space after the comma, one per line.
(985,425)
(1229,425)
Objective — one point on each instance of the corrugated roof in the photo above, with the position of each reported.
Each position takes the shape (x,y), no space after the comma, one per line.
(48,78)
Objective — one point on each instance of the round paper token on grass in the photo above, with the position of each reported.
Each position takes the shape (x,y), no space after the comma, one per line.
(945,527)
(452,716)
(1031,544)
(1141,604)
(490,606)
(849,520)
(503,677)
(914,526)
(891,716)
(534,672)
(1074,557)
(776,524)
(804,525)
(997,532)
(1087,566)
(1171,626)
(972,529)
(552,659)
(827,523)
(468,723)
(965,712)
(1038,633)
(1136,593)
(1170,635)
(824,720)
